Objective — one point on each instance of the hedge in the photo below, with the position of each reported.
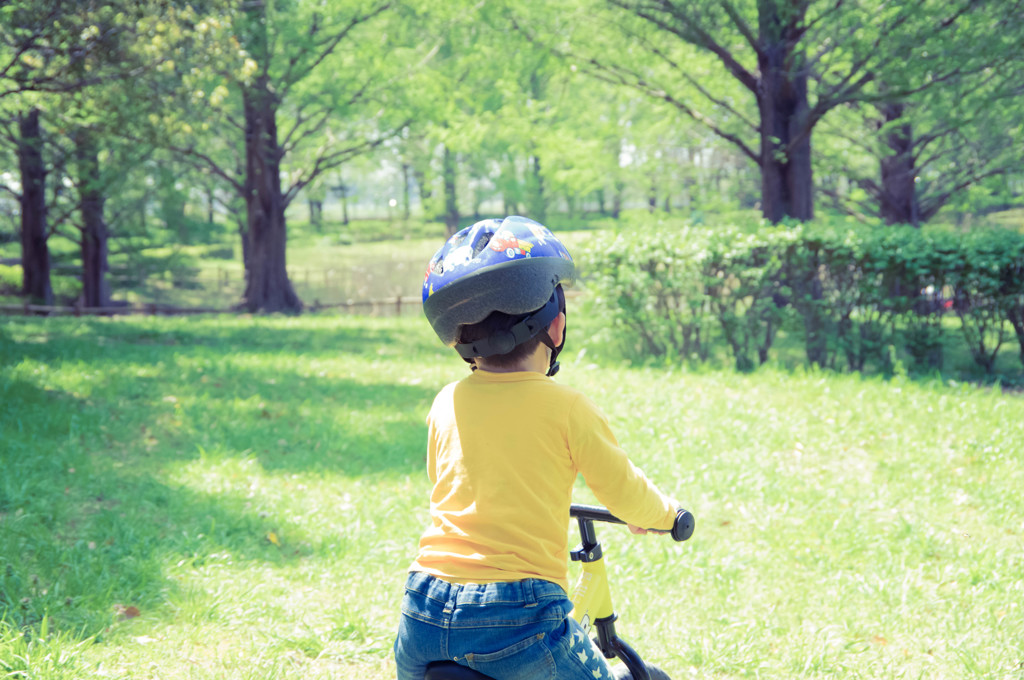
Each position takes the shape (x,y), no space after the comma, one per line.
(855,290)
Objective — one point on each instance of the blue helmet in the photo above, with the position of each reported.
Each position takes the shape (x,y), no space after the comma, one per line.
(512,265)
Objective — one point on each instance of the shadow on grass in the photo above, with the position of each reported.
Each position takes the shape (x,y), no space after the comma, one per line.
(309,335)
(98,418)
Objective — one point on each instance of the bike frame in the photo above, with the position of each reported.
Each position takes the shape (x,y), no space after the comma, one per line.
(591,596)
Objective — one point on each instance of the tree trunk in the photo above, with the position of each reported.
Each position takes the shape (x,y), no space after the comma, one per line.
(243,236)
(511,187)
(1016,316)
(618,199)
(536,199)
(478,201)
(898,196)
(35,255)
(211,204)
(406,192)
(451,206)
(426,193)
(316,213)
(787,183)
(94,232)
(535,183)
(268,288)
(808,298)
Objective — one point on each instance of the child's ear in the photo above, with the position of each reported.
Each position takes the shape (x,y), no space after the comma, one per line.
(556,330)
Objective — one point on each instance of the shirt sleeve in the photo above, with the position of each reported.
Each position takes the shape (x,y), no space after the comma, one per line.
(431,454)
(432,438)
(618,484)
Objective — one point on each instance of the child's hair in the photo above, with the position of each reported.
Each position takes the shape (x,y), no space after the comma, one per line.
(498,322)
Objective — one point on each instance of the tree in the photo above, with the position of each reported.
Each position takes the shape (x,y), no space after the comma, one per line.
(791,63)
(485,113)
(70,63)
(30,62)
(35,255)
(458,97)
(283,92)
(920,159)
(929,147)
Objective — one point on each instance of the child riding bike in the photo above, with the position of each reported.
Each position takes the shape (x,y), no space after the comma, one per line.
(488,587)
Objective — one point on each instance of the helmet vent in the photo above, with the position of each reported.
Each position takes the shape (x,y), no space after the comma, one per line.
(481,243)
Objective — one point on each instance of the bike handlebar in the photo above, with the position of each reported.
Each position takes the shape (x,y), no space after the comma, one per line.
(682,528)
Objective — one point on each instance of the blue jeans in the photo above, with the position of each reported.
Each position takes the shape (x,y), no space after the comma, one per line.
(518,630)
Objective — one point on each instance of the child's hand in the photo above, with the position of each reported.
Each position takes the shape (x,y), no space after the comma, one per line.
(637,530)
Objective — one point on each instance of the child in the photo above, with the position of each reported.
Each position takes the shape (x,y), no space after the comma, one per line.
(488,587)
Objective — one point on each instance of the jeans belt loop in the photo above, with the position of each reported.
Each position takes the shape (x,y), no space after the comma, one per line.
(528,593)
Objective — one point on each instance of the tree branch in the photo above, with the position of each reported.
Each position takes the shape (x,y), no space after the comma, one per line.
(328,46)
(11,191)
(199,160)
(61,219)
(930,205)
(682,72)
(332,160)
(743,27)
(614,75)
(692,33)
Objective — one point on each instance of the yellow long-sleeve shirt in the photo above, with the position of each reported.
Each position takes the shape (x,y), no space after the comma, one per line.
(504,450)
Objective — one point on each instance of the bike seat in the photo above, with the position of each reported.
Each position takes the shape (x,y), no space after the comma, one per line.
(449,670)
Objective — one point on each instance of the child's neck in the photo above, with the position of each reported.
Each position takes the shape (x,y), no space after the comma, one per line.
(536,363)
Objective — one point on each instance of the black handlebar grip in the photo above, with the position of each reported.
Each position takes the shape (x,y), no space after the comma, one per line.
(683,527)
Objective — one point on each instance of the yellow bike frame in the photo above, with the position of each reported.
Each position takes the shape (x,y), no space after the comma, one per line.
(591,597)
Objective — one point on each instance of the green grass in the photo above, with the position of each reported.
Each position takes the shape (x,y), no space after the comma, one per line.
(254,488)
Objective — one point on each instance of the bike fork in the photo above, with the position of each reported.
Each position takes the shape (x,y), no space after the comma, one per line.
(612,646)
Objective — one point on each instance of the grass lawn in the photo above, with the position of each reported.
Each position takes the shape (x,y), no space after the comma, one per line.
(236,497)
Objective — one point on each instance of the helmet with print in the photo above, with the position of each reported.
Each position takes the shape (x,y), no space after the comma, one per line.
(514,266)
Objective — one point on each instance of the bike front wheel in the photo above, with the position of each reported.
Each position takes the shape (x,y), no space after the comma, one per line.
(655,673)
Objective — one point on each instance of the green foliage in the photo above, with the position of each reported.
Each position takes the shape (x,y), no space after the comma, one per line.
(10,280)
(746,289)
(586,105)
(988,289)
(171,197)
(66,288)
(648,288)
(858,291)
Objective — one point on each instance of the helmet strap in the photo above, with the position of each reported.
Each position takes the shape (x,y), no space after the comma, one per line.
(506,341)
(534,325)
(546,339)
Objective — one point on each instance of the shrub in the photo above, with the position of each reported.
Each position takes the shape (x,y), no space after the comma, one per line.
(745,289)
(858,290)
(649,289)
(987,291)
(10,280)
